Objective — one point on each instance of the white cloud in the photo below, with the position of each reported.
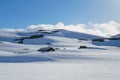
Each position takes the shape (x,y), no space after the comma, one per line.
(12,30)
(103,29)
(110,28)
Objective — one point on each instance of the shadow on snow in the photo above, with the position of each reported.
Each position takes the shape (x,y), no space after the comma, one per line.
(22,59)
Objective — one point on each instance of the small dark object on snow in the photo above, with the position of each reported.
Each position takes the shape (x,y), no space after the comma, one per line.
(82,47)
(98,40)
(57,48)
(46,49)
(64,48)
(48,43)
(25,49)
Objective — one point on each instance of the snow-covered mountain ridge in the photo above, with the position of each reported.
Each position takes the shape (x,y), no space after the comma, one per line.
(42,37)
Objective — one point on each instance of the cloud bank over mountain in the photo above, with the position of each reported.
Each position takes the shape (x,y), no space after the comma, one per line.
(102,29)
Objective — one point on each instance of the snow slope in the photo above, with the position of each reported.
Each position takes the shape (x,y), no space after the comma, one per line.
(24,62)
(94,63)
(109,42)
(11,36)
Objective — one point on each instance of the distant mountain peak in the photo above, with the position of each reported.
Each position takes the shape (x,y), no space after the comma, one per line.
(116,36)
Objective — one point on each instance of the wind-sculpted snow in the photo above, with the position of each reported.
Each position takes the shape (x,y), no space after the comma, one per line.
(13,52)
(24,61)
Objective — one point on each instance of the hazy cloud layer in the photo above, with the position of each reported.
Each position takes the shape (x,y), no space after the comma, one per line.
(102,29)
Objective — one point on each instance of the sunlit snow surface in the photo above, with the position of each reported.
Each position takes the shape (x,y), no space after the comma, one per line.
(24,62)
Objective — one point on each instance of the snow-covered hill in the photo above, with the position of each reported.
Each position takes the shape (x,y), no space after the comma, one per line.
(20,58)
(43,37)
(48,36)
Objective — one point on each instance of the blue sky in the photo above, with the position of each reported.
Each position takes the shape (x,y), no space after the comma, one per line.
(22,13)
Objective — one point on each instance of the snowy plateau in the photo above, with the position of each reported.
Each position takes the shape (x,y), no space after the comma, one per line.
(76,56)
